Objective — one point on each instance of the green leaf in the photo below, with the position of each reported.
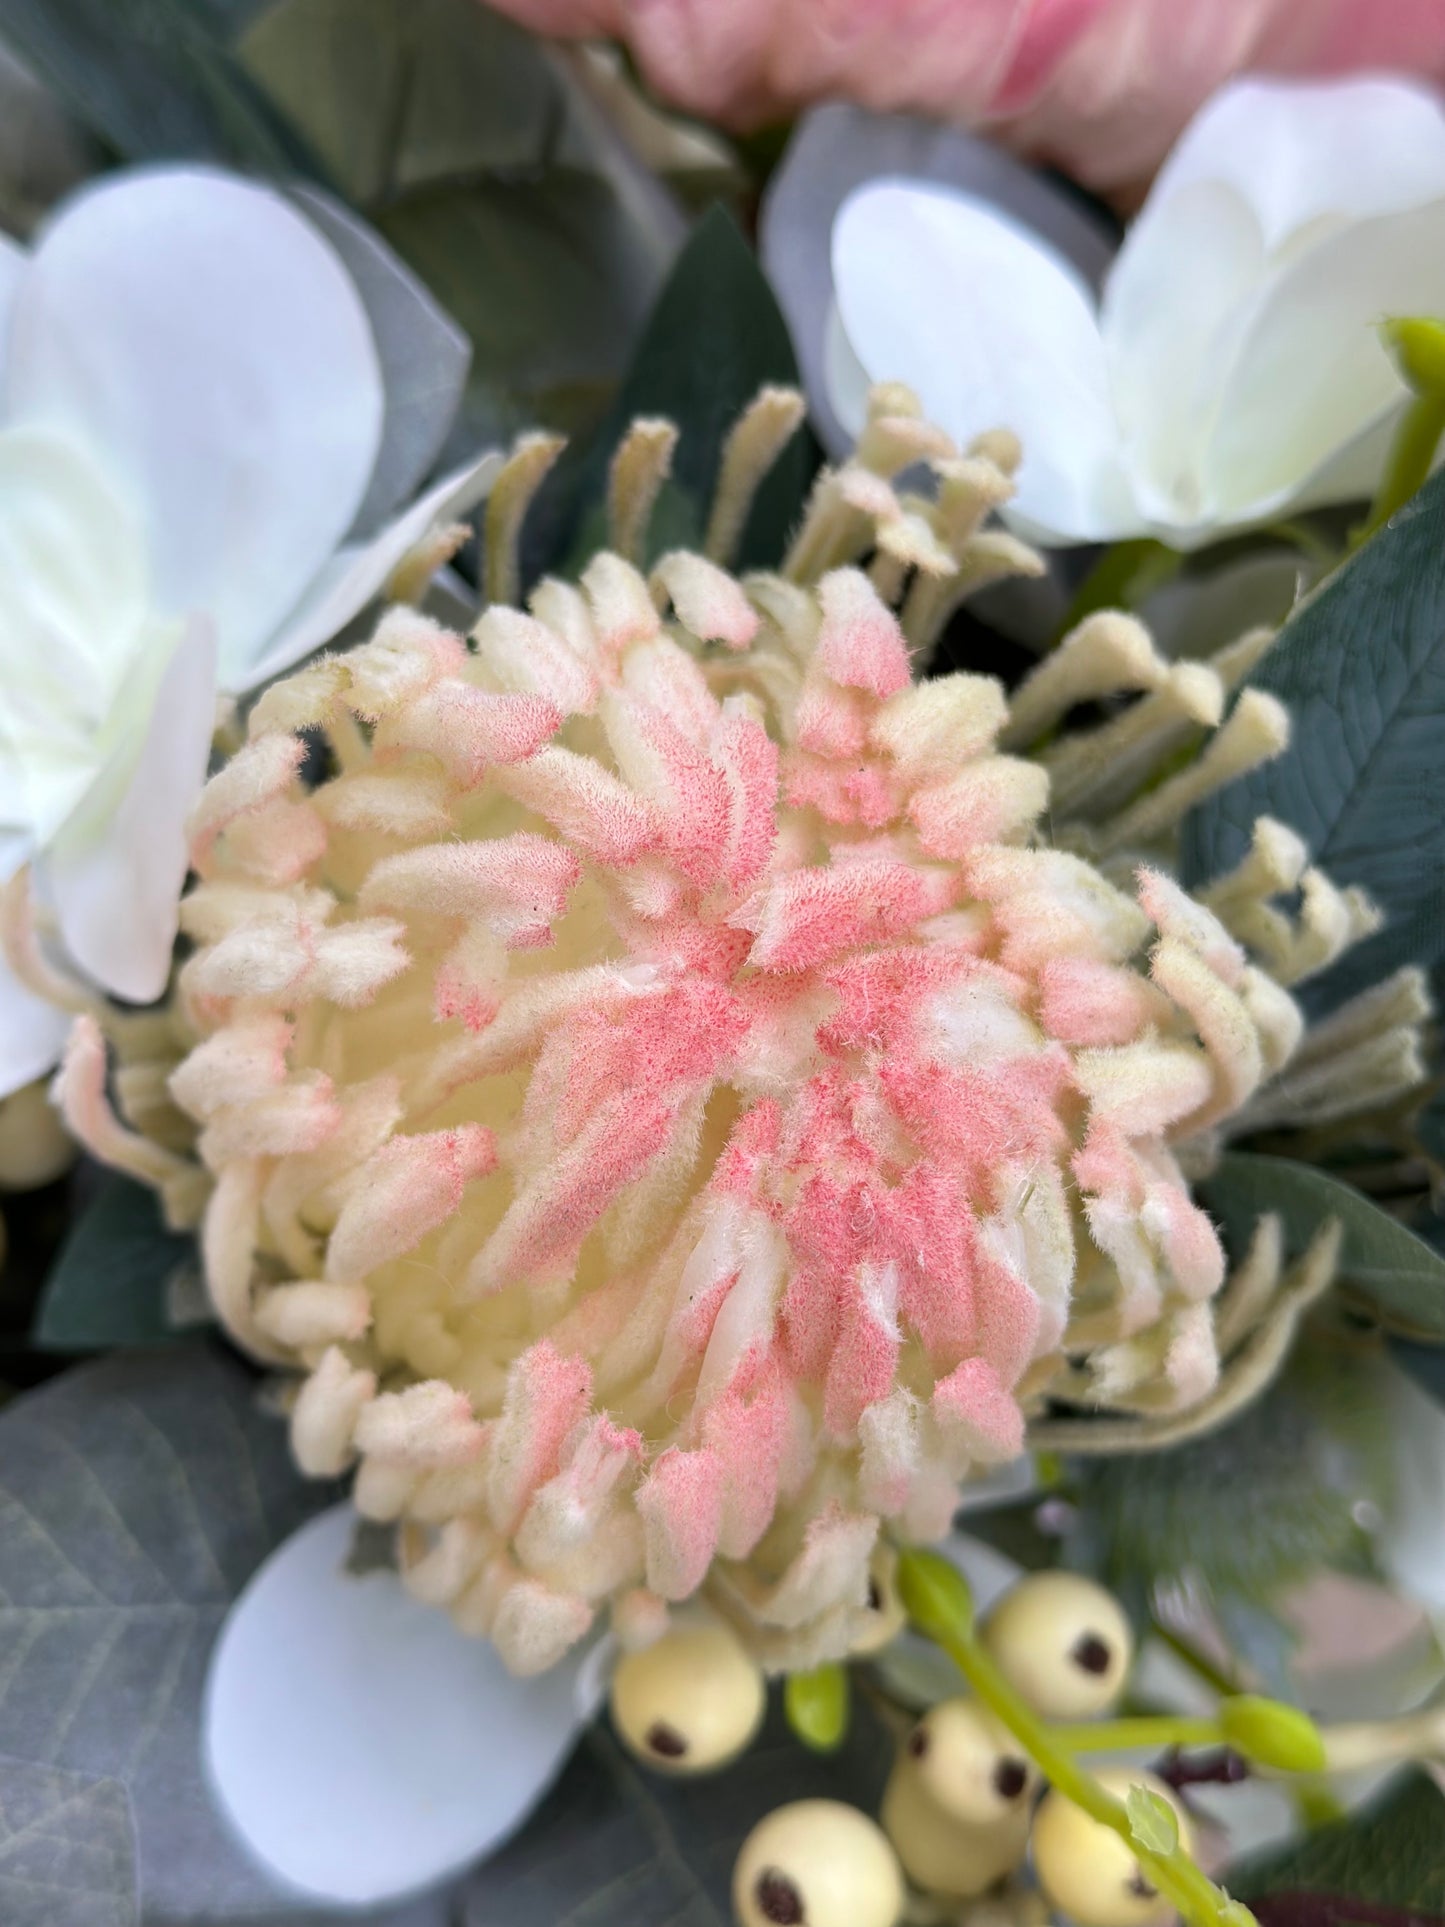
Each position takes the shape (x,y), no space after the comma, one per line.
(119,1276)
(1152,1821)
(616,1846)
(816,1705)
(395,95)
(1397,1275)
(1306,1454)
(137,1496)
(155,78)
(551,277)
(1424,1363)
(1392,1854)
(66,1851)
(714,339)
(1361,666)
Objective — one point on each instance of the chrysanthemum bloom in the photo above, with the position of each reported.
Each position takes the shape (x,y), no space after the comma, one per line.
(684,1092)
(1099,87)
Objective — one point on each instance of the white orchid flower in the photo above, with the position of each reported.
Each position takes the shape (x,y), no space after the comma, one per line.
(1232,369)
(192,405)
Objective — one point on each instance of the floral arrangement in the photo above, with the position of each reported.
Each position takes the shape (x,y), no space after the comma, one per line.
(720,972)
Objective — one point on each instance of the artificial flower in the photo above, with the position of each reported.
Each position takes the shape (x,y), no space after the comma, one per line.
(683,1094)
(1099,87)
(1232,370)
(194,407)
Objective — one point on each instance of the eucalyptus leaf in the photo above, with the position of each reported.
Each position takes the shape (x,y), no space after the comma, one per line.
(550,277)
(1307,1454)
(118,1275)
(1361,666)
(617,1846)
(396,95)
(66,1850)
(1399,1277)
(1424,1363)
(1393,1855)
(137,1496)
(156,78)
(715,337)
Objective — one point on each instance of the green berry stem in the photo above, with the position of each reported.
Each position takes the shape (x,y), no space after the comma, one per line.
(938,1602)
(1146,1730)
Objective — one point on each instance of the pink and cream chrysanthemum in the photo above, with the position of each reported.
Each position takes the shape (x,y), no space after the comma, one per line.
(683,1093)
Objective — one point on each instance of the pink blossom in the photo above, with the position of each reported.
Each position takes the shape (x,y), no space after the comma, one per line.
(678,1093)
(1101,87)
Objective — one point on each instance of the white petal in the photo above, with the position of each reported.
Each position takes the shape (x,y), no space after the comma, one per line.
(356,573)
(72,610)
(13,262)
(1298,152)
(1411,1549)
(992,328)
(1311,374)
(32,1034)
(116,893)
(206,342)
(1177,297)
(845,376)
(359,1743)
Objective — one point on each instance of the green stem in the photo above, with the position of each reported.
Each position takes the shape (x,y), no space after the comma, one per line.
(1197,1662)
(1174,1874)
(1121,578)
(1408,464)
(1129,1735)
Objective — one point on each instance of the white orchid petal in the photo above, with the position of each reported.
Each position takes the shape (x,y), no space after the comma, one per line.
(206,343)
(116,894)
(32,1034)
(845,376)
(357,573)
(1304,152)
(359,1743)
(1311,374)
(1176,300)
(992,328)
(1411,1549)
(13,262)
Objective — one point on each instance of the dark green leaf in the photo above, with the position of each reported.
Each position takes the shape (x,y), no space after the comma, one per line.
(1394,1854)
(1361,666)
(137,1496)
(1397,1275)
(118,1276)
(155,78)
(551,278)
(616,1846)
(714,339)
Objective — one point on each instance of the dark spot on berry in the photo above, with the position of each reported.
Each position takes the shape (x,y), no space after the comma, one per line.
(917,1743)
(1092,1654)
(778,1899)
(665,1741)
(875,1597)
(1141,1889)
(1010,1777)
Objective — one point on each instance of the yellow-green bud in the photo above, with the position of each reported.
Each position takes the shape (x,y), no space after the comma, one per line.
(1272,1734)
